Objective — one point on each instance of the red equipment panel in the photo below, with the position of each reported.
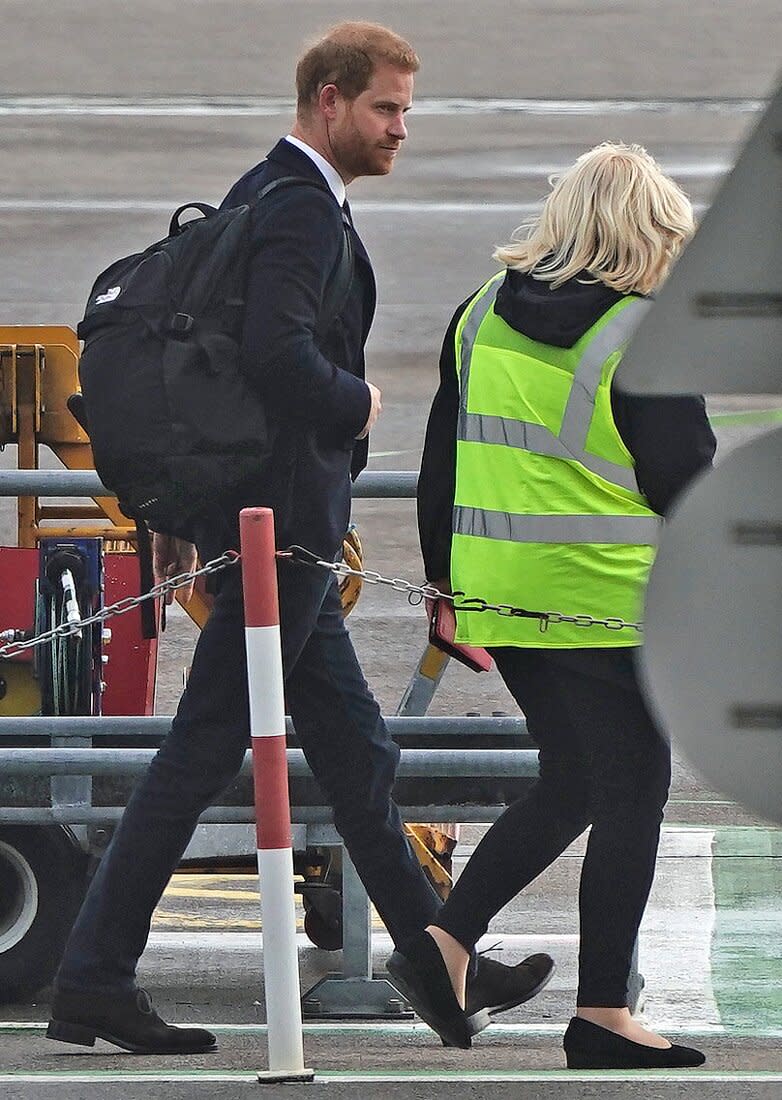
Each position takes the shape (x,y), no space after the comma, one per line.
(130,672)
(132,666)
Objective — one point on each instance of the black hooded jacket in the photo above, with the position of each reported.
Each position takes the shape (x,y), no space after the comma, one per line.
(669,438)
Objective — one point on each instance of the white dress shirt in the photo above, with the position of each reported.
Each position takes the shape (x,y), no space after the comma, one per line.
(328,171)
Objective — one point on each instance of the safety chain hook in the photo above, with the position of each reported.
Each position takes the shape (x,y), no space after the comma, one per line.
(181,580)
(418,592)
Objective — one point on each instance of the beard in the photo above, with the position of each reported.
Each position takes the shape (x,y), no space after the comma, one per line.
(358,156)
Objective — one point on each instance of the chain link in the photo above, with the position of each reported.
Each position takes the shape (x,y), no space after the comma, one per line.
(300,556)
(181,580)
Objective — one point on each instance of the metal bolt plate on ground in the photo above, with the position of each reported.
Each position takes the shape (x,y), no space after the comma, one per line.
(357,993)
(338,998)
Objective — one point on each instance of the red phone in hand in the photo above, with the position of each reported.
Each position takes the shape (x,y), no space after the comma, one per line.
(442,631)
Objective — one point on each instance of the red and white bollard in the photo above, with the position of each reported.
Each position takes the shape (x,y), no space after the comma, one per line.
(272,802)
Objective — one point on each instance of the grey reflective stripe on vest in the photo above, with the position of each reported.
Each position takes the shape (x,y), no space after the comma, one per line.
(483,428)
(586,379)
(511,527)
(539,440)
(570,443)
(469,332)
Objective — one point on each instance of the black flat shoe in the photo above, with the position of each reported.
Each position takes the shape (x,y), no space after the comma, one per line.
(127,1020)
(497,987)
(589,1046)
(421,976)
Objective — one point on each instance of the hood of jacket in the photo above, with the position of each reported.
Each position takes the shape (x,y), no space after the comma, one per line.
(559,317)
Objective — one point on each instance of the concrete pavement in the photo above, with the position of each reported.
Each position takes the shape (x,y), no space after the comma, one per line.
(635,49)
(709,953)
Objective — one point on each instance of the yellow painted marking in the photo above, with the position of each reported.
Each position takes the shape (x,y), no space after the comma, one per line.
(181,876)
(432,663)
(220,895)
(199,921)
(201,888)
(203,922)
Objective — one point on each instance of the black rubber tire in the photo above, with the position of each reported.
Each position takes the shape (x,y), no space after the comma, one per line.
(43,879)
(323,932)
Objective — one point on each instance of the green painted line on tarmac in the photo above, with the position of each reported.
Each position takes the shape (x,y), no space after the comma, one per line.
(395,1076)
(404,1027)
(542,1076)
(751,416)
(700,1030)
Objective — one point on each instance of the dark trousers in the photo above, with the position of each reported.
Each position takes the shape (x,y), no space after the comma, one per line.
(343,736)
(602,762)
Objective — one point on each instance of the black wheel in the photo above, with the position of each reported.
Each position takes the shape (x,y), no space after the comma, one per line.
(43,877)
(323,918)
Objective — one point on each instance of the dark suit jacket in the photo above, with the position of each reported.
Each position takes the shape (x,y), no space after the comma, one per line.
(313,389)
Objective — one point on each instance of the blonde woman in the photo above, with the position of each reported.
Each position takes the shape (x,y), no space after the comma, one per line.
(543,487)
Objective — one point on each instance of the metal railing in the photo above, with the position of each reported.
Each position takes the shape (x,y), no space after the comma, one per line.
(399,484)
(85,762)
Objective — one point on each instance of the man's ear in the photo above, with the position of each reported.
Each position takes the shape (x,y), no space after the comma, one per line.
(327,101)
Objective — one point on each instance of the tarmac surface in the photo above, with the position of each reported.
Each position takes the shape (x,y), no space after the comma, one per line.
(110,117)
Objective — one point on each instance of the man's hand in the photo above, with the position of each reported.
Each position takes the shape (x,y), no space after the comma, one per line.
(171,556)
(374,411)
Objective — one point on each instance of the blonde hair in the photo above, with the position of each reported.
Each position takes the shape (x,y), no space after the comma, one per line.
(614,214)
(347,55)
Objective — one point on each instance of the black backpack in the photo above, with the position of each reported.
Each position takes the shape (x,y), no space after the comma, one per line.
(175,428)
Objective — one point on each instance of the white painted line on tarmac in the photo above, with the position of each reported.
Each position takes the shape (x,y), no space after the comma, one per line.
(131,205)
(695,169)
(271,106)
(402,206)
(249,942)
(92,206)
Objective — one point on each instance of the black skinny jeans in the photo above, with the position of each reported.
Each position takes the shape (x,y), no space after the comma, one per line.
(343,736)
(603,762)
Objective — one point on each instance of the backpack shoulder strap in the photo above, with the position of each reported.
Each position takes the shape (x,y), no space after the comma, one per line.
(340,278)
(339,282)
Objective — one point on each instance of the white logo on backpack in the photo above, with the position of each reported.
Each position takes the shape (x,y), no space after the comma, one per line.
(112,293)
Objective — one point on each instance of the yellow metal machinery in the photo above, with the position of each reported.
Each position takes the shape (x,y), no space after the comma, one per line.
(38,372)
(433,849)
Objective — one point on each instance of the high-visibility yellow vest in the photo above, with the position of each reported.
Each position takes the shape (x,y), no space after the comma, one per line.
(547,512)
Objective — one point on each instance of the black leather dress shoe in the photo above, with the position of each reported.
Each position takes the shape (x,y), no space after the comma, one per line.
(589,1046)
(497,988)
(421,976)
(127,1020)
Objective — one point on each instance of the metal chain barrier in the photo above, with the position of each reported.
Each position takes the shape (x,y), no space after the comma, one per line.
(418,592)
(181,580)
(300,556)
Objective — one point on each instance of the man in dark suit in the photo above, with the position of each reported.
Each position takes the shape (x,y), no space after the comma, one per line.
(354,88)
